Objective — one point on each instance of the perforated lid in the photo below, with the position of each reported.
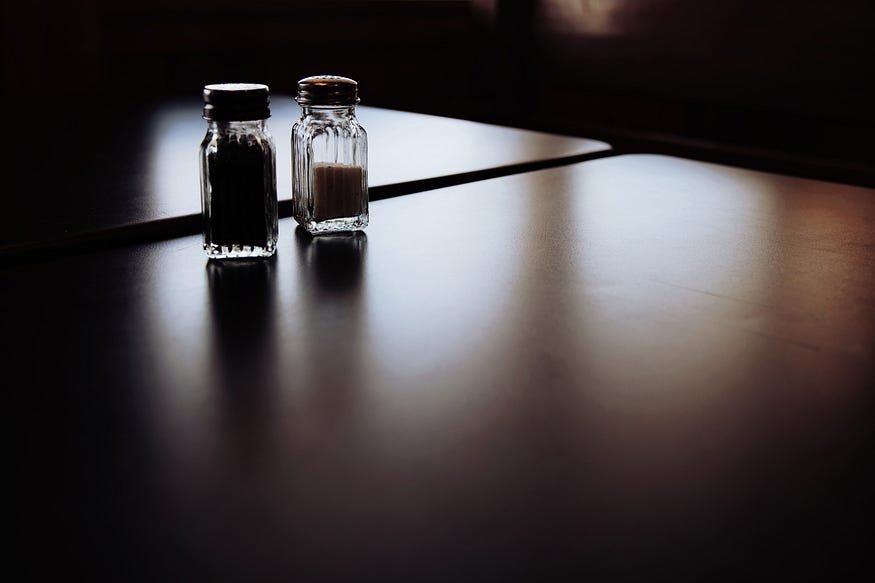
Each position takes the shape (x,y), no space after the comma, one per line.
(327,90)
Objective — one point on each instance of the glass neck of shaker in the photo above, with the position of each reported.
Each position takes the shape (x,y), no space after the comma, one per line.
(328,112)
(238,127)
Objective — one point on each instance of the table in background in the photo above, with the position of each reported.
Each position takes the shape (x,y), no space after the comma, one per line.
(632,368)
(119,172)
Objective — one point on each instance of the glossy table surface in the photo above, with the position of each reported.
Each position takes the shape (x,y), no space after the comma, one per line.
(83,173)
(634,368)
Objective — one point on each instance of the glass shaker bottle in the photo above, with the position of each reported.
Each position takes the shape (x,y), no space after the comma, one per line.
(238,172)
(329,157)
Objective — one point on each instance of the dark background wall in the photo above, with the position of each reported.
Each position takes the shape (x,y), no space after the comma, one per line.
(785,84)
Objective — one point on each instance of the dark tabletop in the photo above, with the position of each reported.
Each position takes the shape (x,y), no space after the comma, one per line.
(98,170)
(636,368)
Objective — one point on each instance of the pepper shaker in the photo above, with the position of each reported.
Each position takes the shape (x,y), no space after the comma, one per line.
(329,157)
(238,173)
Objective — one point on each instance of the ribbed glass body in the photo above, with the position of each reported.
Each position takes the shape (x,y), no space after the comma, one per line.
(238,190)
(329,170)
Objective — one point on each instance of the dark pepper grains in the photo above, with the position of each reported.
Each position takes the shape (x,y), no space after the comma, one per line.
(241,182)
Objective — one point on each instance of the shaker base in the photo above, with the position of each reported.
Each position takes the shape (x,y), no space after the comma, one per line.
(238,251)
(338,225)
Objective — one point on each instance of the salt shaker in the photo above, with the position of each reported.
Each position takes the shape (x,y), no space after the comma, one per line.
(329,157)
(238,173)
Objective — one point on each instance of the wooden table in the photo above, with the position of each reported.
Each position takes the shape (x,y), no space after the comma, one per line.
(121,173)
(635,368)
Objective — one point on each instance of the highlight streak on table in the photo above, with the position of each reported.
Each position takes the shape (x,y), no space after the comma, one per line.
(125,176)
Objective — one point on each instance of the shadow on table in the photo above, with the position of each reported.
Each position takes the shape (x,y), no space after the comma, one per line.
(334,262)
(243,302)
(332,269)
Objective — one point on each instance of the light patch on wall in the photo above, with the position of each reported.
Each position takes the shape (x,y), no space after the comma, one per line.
(585,17)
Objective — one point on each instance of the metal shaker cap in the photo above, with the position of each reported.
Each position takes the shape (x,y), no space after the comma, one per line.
(327,90)
(236,101)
